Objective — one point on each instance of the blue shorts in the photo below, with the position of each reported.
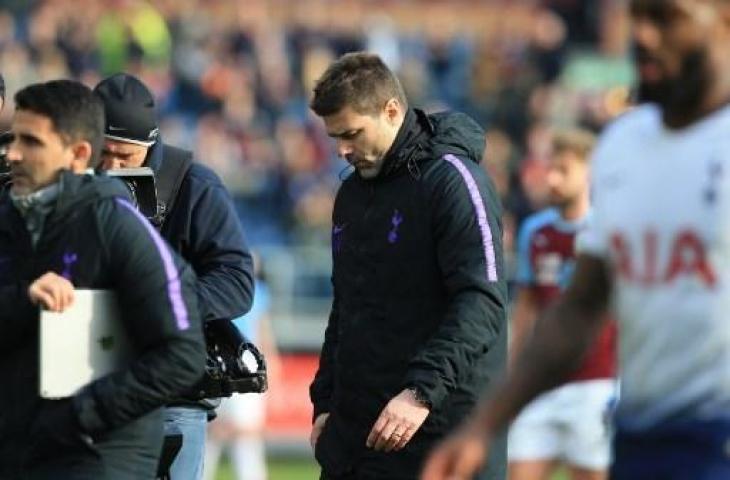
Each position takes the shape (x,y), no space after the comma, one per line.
(686,450)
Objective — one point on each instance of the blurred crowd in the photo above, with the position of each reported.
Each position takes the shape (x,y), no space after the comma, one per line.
(233,78)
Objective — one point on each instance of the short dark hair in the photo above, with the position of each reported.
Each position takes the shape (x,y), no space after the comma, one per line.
(2,88)
(359,80)
(75,112)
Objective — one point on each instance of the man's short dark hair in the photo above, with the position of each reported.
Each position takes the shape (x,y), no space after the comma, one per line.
(75,112)
(359,80)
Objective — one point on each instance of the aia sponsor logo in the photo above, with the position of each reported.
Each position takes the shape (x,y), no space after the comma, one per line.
(642,264)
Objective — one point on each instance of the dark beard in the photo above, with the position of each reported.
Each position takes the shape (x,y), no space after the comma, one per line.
(680,98)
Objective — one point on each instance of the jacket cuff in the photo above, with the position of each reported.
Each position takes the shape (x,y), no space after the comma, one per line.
(320,407)
(429,385)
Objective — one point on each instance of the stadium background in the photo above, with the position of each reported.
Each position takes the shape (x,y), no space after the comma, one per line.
(232,80)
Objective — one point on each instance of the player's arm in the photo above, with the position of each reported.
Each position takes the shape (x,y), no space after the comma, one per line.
(562,335)
(525,307)
(524,314)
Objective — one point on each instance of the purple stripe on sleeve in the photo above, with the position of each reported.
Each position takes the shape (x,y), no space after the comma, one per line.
(481,214)
(174,289)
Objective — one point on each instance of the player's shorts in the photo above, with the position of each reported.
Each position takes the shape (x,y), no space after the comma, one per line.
(566,424)
(680,450)
(245,410)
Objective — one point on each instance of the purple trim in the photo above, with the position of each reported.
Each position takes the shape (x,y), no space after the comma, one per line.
(68,260)
(174,290)
(481,212)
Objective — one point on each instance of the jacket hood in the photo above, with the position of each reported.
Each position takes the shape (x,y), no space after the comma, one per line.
(77,190)
(408,143)
(458,134)
(423,136)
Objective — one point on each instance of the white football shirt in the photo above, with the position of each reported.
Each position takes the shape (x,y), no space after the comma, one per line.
(661,217)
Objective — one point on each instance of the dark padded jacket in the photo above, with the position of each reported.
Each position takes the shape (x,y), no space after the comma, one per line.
(419,296)
(203,228)
(96,238)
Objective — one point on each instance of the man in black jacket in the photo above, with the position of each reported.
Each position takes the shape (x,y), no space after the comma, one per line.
(200,224)
(417,329)
(58,231)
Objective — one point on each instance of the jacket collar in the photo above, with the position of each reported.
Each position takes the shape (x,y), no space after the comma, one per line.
(416,128)
(154,156)
(40,202)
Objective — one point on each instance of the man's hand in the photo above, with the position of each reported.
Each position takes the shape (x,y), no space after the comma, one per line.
(460,455)
(398,422)
(317,428)
(52,292)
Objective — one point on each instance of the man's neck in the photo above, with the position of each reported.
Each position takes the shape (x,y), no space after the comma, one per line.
(715,99)
(43,195)
(35,207)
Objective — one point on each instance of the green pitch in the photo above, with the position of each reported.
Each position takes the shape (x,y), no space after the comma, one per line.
(279,469)
(296,469)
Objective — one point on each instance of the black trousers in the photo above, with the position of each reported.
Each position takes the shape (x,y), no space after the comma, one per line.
(324,476)
(355,476)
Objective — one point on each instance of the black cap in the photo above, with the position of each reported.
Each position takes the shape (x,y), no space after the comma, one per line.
(130,110)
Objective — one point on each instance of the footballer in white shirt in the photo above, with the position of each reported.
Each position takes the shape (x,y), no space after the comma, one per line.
(656,251)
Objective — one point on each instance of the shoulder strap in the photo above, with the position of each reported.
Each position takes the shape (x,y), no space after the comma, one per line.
(175,164)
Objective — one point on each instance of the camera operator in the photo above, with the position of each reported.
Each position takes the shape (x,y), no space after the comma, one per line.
(198,220)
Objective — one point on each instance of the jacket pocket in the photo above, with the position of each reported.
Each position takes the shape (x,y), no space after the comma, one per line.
(332,450)
(55,433)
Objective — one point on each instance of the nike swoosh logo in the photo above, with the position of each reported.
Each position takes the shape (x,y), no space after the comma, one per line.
(337,229)
(112,128)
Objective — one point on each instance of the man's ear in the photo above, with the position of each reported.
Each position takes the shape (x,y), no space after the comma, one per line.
(393,110)
(81,152)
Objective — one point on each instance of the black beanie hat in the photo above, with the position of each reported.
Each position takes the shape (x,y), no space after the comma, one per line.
(130,110)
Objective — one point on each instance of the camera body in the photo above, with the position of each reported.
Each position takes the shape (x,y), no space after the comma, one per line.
(233,364)
(141,185)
